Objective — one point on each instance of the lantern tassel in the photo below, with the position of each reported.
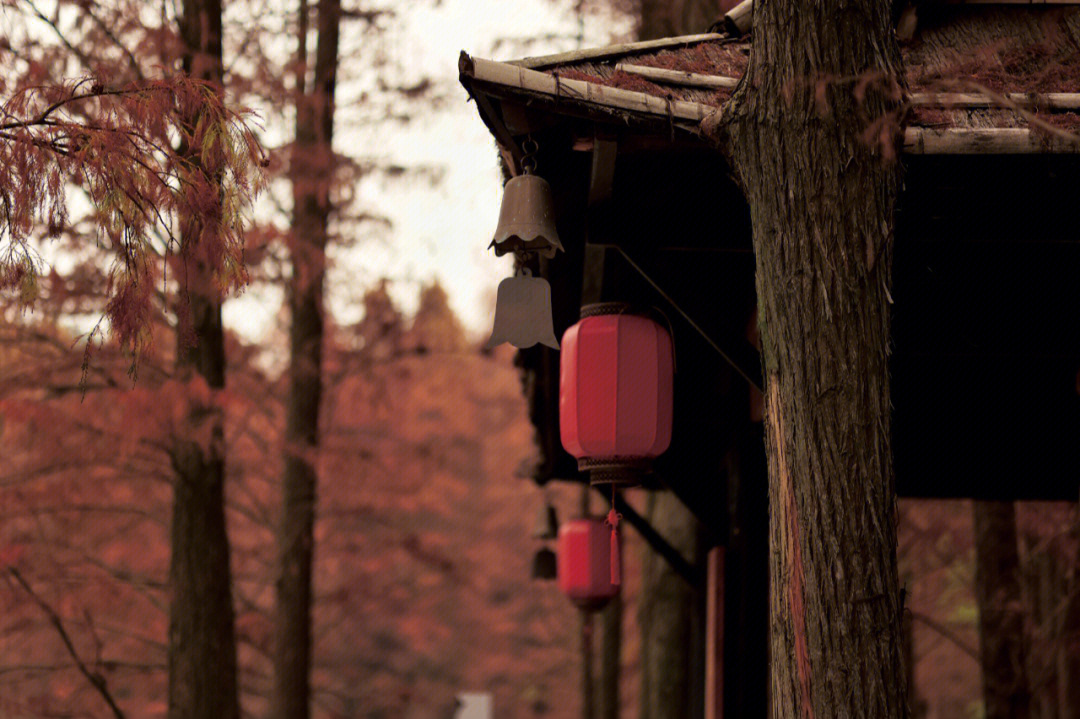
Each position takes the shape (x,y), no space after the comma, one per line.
(613,518)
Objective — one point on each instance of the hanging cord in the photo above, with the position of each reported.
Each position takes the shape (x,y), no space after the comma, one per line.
(613,518)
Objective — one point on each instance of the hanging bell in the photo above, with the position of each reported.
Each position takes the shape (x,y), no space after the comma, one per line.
(547,525)
(543,564)
(527,218)
(523,312)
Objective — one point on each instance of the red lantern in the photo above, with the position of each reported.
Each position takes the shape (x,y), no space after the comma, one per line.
(588,562)
(615,392)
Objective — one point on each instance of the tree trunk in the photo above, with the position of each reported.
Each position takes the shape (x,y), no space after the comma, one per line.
(671,670)
(311,174)
(1069,653)
(822,203)
(611,633)
(202,647)
(669,18)
(1001,618)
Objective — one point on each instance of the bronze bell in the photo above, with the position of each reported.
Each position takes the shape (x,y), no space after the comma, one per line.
(543,564)
(523,312)
(527,218)
(547,525)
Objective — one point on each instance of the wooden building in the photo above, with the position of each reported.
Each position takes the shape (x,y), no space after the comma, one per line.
(986,315)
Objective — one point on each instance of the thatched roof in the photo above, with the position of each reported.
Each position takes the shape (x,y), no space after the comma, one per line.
(980,79)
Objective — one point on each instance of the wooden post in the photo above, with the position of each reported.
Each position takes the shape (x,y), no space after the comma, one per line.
(714,635)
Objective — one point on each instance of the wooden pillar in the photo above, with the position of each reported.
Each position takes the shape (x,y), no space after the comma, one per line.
(714,635)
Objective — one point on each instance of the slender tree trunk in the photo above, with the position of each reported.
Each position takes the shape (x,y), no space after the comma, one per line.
(1069,654)
(611,633)
(1001,618)
(822,202)
(671,672)
(311,174)
(202,648)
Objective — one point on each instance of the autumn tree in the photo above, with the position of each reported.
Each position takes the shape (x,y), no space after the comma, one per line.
(1006,694)
(311,174)
(156,205)
(810,132)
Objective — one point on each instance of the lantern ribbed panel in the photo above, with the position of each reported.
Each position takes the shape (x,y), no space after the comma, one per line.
(615,392)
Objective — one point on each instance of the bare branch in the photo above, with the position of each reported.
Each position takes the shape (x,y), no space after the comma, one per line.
(96,680)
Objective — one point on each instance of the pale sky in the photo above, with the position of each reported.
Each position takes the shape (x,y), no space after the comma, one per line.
(439,230)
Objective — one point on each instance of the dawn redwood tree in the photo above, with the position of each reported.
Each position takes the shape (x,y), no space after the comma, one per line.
(202,645)
(1006,694)
(311,174)
(811,132)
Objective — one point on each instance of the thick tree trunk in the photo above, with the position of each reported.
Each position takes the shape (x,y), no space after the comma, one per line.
(669,617)
(202,648)
(311,175)
(822,203)
(1001,618)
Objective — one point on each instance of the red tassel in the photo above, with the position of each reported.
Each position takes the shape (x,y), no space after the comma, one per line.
(616,570)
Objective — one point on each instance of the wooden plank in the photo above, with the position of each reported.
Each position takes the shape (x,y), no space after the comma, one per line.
(609,51)
(679,77)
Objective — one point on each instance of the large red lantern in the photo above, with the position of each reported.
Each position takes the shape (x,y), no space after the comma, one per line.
(588,562)
(615,392)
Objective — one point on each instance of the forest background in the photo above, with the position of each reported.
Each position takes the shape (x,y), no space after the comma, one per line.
(422,535)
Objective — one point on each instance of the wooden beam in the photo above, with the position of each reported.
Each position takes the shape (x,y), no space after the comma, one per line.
(679,77)
(595,54)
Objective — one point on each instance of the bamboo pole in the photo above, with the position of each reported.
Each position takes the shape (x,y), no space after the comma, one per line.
(679,77)
(594,54)
(971,100)
(501,73)
(739,19)
(917,140)
(991,141)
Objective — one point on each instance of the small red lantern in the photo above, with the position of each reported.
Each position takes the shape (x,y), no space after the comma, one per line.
(615,392)
(588,562)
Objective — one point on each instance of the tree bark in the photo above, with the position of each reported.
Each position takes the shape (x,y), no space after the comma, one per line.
(669,617)
(312,167)
(202,647)
(1006,694)
(1069,653)
(822,202)
(670,18)
(610,654)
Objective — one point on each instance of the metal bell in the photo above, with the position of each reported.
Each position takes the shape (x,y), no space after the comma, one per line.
(543,564)
(523,312)
(547,525)
(527,218)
